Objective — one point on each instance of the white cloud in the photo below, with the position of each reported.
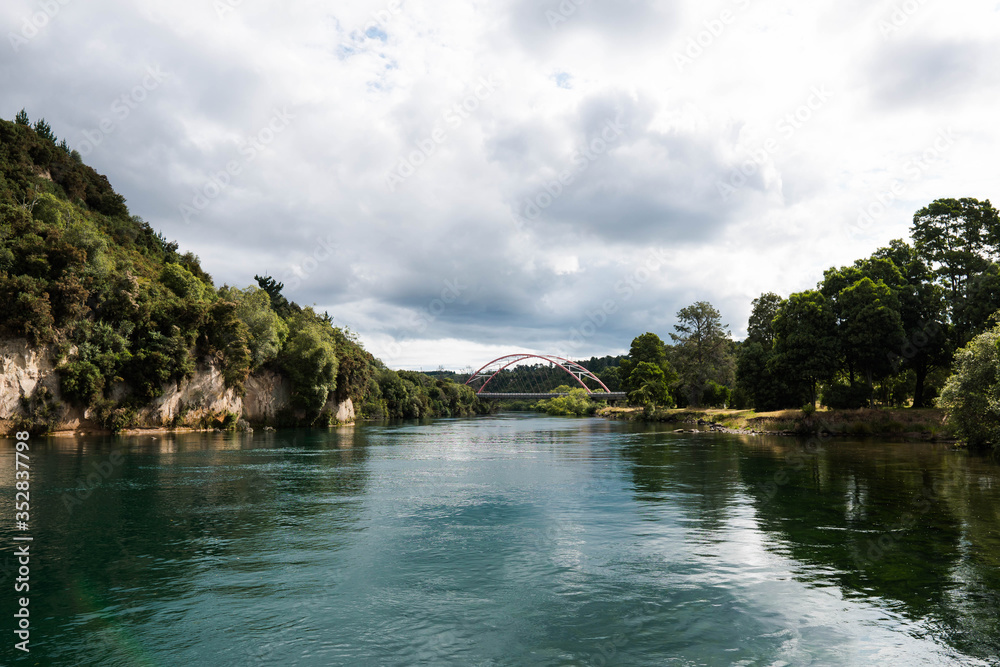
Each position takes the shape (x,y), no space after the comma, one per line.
(370,83)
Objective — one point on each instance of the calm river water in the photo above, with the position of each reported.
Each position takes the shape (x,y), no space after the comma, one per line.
(512,540)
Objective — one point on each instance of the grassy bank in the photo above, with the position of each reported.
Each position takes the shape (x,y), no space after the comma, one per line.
(925,424)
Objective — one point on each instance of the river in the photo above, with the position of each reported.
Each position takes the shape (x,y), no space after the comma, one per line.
(507,540)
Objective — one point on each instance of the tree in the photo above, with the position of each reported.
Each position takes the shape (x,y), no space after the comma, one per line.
(958,238)
(805,341)
(702,352)
(44,130)
(647,348)
(22,118)
(971,395)
(611,377)
(766,381)
(757,373)
(759,328)
(267,331)
(310,360)
(651,386)
(871,328)
(923,313)
(273,288)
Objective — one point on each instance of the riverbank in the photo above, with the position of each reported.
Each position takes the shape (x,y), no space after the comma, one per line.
(922,424)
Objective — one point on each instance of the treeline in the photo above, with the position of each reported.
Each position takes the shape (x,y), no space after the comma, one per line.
(885,331)
(127,313)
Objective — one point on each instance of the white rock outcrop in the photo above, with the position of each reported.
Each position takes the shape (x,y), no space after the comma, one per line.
(190,402)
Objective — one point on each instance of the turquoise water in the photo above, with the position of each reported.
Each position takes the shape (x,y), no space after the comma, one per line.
(513,540)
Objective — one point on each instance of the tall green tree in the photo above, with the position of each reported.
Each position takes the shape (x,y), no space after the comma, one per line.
(702,350)
(44,130)
(647,348)
(762,314)
(805,340)
(959,239)
(279,303)
(310,361)
(757,372)
(923,313)
(267,331)
(651,387)
(871,328)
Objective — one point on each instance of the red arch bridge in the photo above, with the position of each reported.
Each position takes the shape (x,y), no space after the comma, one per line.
(494,372)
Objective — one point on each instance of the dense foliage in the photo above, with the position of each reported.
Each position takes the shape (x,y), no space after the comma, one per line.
(880,332)
(576,402)
(883,330)
(972,394)
(127,313)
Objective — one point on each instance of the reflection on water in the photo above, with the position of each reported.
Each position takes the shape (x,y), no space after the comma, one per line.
(508,541)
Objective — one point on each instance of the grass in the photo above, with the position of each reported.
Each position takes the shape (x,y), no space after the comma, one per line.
(926,423)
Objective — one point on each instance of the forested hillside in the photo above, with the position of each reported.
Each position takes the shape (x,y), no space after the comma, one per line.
(127,312)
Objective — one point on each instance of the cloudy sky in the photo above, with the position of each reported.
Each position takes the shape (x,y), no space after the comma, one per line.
(457,180)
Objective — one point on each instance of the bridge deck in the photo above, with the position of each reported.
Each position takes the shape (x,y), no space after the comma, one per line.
(596,396)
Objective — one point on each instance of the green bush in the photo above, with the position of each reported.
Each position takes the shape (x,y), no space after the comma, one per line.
(182,282)
(81,382)
(310,360)
(971,396)
(39,413)
(577,403)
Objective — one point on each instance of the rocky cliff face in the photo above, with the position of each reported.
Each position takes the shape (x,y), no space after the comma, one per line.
(193,402)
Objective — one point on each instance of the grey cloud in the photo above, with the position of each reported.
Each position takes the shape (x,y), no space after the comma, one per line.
(535,24)
(919,73)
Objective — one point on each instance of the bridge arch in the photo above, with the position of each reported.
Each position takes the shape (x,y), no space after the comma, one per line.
(493,368)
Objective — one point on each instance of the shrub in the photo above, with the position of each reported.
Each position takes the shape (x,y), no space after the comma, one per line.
(39,413)
(577,403)
(971,396)
(81,382)
(182,282)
